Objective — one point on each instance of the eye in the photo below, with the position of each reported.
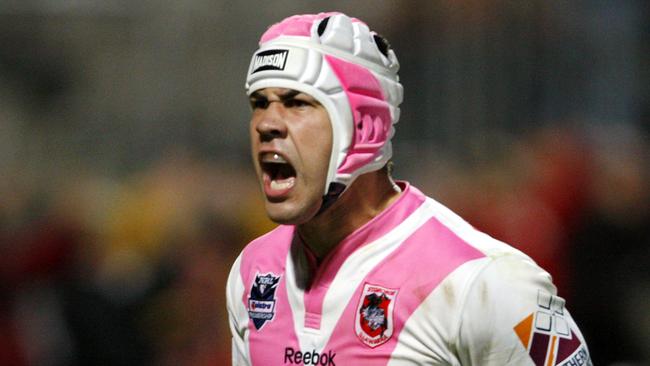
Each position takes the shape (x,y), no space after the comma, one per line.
(259,103)
(296,103)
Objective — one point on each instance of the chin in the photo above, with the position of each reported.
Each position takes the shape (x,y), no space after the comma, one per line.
(287,214)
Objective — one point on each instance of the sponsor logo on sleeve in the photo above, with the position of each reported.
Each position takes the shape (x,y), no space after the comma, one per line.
(261,302)
(374,318)
(548,337)
(270,60)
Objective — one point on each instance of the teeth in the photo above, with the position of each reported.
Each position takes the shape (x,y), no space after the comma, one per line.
(273,158)
(278,159)
(283,184)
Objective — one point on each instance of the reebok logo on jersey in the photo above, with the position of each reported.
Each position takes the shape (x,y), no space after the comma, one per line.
(374,322)
(547,336)
(261,302)
(270,60)
(293,357)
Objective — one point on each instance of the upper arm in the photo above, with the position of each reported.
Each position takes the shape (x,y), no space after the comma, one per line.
(513,316)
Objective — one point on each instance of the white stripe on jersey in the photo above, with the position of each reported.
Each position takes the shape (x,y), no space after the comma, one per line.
(240,351)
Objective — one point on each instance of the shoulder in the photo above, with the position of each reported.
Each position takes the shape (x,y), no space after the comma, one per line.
(468,234)
(500,269)
(508,283)
(512,315)
(444,236)
(495,280)
(477,288)
(450,247)
(504,304)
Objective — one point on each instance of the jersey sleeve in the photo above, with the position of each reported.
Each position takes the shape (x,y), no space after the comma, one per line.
(237,316)
(513,316)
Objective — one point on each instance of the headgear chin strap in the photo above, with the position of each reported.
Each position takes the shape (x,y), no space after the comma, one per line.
(351,71)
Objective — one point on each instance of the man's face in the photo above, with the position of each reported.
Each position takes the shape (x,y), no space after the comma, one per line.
(291,141)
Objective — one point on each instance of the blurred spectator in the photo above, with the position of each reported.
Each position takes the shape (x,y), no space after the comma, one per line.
(611,252)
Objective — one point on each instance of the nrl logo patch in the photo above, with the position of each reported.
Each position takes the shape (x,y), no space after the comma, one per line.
(374,319)
(548,337)
(270,60)
(261,303)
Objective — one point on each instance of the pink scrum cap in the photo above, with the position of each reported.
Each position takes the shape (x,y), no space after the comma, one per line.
(351,71)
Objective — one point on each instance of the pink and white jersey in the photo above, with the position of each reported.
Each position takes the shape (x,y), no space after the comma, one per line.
(416,285)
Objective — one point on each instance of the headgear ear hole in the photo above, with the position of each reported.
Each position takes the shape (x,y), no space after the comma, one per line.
(322,25)
(382,44)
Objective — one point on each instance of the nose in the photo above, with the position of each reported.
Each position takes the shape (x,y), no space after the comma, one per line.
(269,122)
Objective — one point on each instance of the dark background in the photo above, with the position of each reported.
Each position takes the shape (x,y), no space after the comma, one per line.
(126,189)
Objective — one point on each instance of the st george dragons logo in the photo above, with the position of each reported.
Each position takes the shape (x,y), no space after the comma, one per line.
(374,319)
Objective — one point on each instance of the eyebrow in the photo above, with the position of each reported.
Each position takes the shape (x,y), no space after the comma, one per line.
(288,95)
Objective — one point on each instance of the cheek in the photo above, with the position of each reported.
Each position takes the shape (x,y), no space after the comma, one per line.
(317,147)
(325,144)
(254,146)
(252,133)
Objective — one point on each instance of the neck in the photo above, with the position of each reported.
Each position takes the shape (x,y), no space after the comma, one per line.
(366,198)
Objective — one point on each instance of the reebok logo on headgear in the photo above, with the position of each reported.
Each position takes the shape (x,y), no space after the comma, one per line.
(270,60)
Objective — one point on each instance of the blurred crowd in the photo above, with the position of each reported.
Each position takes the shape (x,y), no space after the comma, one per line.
(123,272)
(126,190)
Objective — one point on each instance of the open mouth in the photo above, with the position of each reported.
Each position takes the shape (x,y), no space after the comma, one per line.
(279,174)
